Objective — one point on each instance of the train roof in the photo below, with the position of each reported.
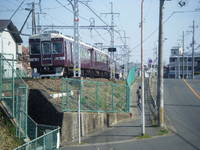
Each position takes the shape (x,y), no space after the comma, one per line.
(69,38)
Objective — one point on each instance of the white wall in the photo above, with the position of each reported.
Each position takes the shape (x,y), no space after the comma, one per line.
(7,44)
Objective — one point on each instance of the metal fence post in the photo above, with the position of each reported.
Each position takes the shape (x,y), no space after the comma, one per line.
(26,109)
(13,87)
(79,118)
(127,98)
(97,96)
(1,75)
(113,98)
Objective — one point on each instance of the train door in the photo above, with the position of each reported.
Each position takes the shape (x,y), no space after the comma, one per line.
(46,55)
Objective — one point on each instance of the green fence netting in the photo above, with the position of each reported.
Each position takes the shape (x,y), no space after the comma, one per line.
(14,94)
(48,141)
(94,96)
(14,97)
(131,76)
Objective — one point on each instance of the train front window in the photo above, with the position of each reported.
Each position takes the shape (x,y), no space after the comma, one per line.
(35,48)
(46,47)
(57,47)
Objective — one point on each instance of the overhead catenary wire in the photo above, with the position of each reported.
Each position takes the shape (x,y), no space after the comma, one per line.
(92,10)
(94,13)
(101,36)
(71,11)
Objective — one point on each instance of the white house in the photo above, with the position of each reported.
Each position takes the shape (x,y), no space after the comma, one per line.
(10,45)
(10,40)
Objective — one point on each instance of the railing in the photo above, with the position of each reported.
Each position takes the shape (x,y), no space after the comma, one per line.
(14,97)
(94,96)
(14,94)
(48,141)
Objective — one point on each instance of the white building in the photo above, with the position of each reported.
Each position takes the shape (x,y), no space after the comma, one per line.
(10,40)
(181,65)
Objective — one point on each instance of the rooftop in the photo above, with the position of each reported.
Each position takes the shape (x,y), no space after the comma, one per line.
(12,29)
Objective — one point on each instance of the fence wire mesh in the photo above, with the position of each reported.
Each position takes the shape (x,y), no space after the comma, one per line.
(95,96)
(14,94)
(48,141)
(14,97)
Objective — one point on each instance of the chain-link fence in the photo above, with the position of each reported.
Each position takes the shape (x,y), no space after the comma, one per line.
(48,141)
(14,94)
(95,96)
(14,97)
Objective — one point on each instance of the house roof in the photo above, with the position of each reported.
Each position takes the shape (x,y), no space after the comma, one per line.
(12,30)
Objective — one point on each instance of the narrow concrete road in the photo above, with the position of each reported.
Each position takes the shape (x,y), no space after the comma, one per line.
(182,110)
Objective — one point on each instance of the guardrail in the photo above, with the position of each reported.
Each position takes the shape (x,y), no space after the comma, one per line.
(152,98)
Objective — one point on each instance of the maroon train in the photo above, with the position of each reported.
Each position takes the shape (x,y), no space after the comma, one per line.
(51,55)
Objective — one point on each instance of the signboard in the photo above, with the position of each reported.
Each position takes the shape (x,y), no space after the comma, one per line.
(112,49)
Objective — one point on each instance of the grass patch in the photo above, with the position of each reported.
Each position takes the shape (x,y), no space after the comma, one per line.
(163,131)
(7,133)
(145,136)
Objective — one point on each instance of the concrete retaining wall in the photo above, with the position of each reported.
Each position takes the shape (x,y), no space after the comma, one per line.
(90,123)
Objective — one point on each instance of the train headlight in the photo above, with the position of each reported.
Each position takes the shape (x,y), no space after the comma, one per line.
(59,58)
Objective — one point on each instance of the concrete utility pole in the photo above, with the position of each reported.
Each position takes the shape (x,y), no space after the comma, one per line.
(33,19)
(160,100)
(183,59)
(179,65)
(193,61)
(142,72)
(76,49)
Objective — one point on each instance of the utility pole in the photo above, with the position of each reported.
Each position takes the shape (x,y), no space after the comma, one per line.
(183,59)
(112,44)
(178,59)
(38,17)
(126,54)
(33,19)
(142,72)
(193,30)
(76,50)
(160,68)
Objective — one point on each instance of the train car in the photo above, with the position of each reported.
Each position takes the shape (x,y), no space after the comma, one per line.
(51,54)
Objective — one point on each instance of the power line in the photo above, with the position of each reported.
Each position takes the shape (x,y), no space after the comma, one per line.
(166,20)
(17,9)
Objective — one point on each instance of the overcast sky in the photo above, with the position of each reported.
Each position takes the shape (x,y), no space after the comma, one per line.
(128,21)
